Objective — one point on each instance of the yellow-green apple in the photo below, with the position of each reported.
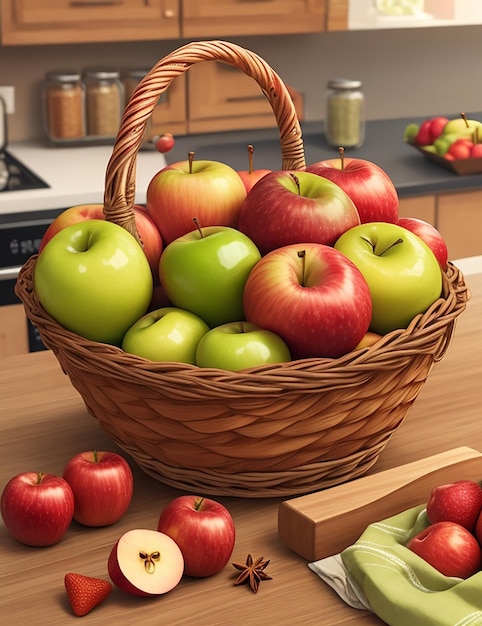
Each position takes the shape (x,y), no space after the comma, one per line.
(166,334)
(94,279)
(430,235)
(312,296)
(368,339)
(205,271)
(367,184)
(145,563)
(148,231)
(164,142)
(204,531)
(449,548)
(238,345)
(102,485)
(460,502)
(251,176)
(402,272)
(37,508)
(284,208)
(210,191)
(463,127)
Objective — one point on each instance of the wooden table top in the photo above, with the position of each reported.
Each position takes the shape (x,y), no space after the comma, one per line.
(43,422)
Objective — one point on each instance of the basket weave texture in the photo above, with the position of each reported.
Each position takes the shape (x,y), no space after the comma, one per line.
(276,430)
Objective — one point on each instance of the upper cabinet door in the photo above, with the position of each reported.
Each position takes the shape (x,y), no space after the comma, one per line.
(225,18)
(70,21)
(337,15)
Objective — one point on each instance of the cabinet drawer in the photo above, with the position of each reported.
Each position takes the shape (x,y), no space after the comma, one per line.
(221,97)
(67,21)
(220,18)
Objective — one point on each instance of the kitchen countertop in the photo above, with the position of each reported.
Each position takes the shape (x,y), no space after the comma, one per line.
(44,423)
(76,175)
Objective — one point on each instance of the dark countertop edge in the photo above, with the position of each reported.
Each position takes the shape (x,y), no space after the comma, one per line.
(411,172)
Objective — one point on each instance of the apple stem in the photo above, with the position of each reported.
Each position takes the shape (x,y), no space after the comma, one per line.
(250,158)
(190,157)
(96,456)
(198,504)
(302,256)
(40,478)
(150,560)
(296,181)
(341,150)
(395,243)
(200,230)
(464,117)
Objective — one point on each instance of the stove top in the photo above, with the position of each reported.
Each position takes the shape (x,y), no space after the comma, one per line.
(15,176)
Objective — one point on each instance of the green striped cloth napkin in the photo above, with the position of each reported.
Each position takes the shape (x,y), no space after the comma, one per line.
(378,573)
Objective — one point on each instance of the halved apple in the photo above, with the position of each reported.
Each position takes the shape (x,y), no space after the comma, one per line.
(145,563)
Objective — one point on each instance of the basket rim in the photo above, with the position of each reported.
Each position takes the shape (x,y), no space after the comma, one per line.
(439,320)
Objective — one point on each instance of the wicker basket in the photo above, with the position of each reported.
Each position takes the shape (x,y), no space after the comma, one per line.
(275,430)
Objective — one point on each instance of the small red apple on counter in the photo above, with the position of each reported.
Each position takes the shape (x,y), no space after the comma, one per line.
(459,502)
(367,184)
(102,485)
(448,547)
(164,143)
(145,563)
(37,508)
(312,296)
(251,176)
(204,531)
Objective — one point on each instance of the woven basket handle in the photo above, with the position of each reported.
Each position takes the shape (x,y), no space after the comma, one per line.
(119,192)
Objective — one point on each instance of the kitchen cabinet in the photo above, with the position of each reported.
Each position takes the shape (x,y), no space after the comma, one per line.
(337,15)
(83,21)
(456,215)
(224,18)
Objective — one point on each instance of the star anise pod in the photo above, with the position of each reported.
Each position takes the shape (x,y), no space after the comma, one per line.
(252,571)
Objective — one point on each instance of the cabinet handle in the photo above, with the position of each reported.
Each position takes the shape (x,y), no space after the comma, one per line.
(95,3)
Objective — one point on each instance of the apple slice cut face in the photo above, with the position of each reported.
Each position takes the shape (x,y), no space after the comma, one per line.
(150,561)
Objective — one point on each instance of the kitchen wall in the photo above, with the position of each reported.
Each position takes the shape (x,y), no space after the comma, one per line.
(420,72)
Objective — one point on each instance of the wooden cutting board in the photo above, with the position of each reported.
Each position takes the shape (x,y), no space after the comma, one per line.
(326,522)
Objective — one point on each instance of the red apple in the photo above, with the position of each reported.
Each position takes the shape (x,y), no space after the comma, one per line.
(312,296)
(210,191)
(430,235)
(148,231)
(204,531)
(437,124)
(423,136)
(102,484)
(476,151)
(448,547)
(460,149)
(459,502)
(164,143)
(37,508)
(251,176)
(370,187)
(145,563)
(284,208)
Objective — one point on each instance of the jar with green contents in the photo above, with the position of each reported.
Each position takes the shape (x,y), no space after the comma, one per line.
(345,113)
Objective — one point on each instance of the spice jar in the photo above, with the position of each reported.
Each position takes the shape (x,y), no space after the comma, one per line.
(344,115)
(63,98)
(104,101)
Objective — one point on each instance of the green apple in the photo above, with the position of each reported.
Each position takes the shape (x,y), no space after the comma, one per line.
(205,272)
(462,127)
(166,334)
(239,345)
(94,279)
(402,272)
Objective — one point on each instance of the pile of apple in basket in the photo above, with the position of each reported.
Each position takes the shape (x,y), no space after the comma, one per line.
(240,269)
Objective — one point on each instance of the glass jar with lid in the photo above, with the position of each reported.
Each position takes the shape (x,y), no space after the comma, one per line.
(104,101)
(63,104)
(345,113)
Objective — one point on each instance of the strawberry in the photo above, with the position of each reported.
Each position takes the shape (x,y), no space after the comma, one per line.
(459,502)
(85,592)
